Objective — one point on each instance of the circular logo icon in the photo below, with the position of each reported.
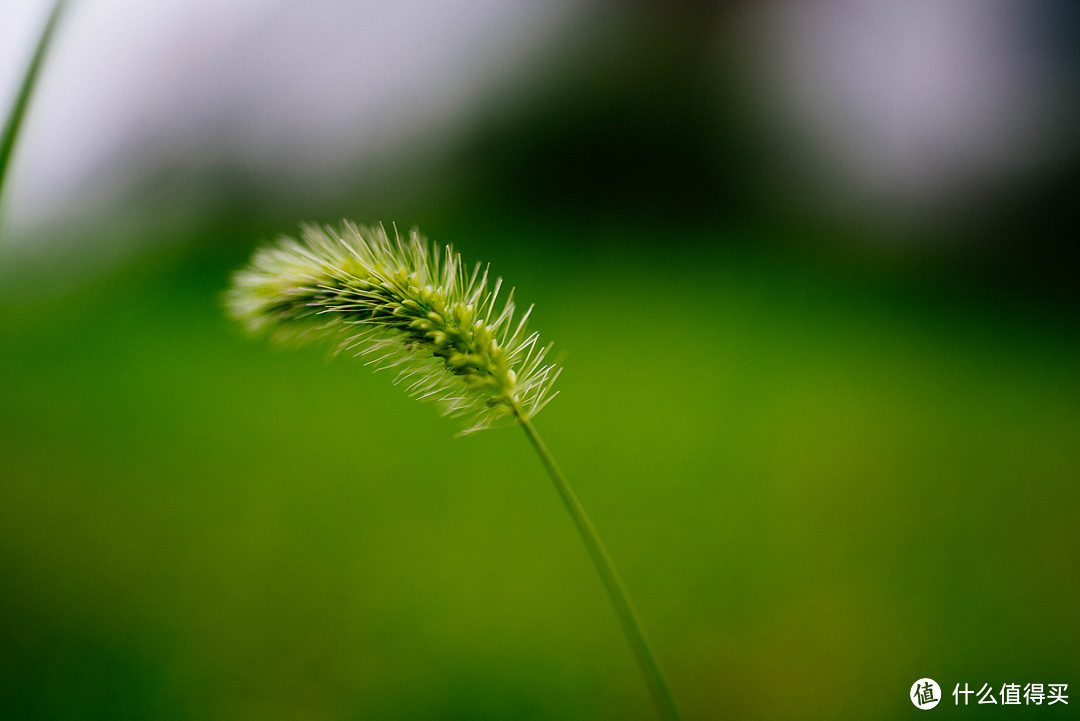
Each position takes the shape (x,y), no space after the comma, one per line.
(925,693)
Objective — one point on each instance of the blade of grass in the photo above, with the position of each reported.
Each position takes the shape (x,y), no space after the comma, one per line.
(22,100)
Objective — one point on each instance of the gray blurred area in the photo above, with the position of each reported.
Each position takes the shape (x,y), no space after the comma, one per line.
(908,125)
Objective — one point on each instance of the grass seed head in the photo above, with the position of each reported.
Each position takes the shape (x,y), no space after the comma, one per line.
(405,305)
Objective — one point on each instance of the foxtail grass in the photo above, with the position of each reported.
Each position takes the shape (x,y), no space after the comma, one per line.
(407,305)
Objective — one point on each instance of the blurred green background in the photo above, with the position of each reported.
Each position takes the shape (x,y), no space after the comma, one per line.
(831,452)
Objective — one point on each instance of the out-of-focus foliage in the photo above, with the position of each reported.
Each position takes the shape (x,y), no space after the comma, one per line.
(812,482)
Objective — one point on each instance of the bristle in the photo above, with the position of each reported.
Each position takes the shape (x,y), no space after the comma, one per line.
(401,304)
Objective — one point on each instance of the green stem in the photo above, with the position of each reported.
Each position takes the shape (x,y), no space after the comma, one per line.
(628,618)
(18,110)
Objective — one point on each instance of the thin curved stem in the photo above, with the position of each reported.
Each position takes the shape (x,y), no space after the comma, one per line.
(628,618)
(18,110)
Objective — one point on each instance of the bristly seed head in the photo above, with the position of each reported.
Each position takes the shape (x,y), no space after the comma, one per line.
(404,305)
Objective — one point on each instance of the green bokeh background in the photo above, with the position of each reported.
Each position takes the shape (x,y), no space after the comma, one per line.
(818,491)
(822,474)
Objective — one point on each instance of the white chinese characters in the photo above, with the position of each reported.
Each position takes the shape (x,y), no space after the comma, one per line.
(1013,694)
